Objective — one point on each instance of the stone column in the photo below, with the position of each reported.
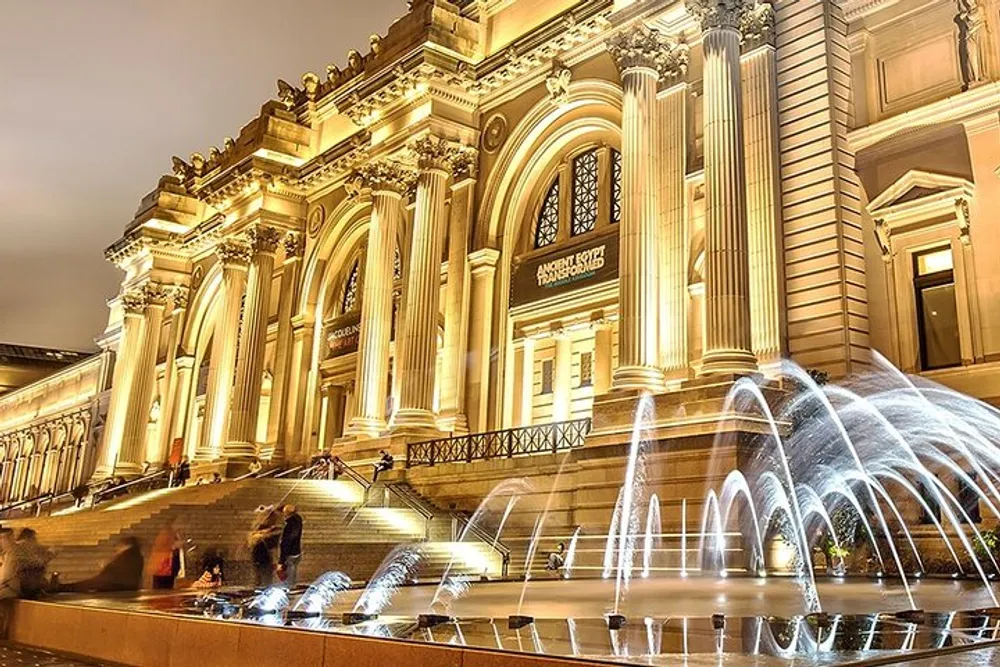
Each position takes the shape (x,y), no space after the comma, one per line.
(133,304)
(760,119)
(672,109)
(184,382)
(456,312)
(388,183)
(639,53)
(235,256)
(482,267)
(293,423)
(562,377)
(419,337)
(727,272)
(524,380)
(287,298)
(242,446)
(603,352)
(172,373)
(333,399)
(134,431)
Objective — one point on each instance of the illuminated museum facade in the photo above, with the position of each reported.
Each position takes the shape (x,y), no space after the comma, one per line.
(509,209)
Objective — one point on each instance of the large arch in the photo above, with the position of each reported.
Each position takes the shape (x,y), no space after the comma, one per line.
(547,131)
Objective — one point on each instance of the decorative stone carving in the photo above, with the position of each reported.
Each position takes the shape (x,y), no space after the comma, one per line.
(232,251)
(355,63)
(728,14)
(642,46)
(156,294)
(286,93)
(882,237)
(310,83)
(375,42)
(263,239)
(180,296)
(434,153)
(198,163)
(973,42)
(180,168)
(228,144)
(133,301)
(557,83)
(295,245)
(964,218)
(332,72)
(495,133)
(316,218)
(385,176)
(758,25)
(465,165)
(197,276)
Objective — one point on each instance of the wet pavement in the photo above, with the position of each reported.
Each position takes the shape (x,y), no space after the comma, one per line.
(16,655)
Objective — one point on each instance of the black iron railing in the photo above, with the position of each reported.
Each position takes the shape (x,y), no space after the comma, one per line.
(540,439)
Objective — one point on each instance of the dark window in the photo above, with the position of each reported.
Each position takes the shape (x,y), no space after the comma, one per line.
(937,312)
(616,185)
(585,192)
(547,367)
(548,217)
(586,369)
(350,301)
(397,266)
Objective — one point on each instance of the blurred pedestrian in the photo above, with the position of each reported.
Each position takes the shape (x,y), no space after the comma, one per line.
(165,556)
(122,573)
(264,536)
(10,569)
(183,472)
(290,550)
(33,559)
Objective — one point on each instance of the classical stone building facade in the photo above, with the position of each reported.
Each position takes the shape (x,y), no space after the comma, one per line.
(512,212)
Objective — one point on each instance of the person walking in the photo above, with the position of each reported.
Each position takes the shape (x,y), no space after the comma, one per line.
(264,536)
(165,557)
(122,573)
(290,553)
(183,472)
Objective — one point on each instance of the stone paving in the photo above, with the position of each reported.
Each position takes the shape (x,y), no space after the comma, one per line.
(15,655)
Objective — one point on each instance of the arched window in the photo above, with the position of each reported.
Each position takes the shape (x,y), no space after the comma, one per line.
(548,217)
(585,193)
(350,300)
(616,186)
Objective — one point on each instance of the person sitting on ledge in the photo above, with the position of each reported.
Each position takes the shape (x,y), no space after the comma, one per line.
(384,463)
(556,559)
(255,467)
(122,573)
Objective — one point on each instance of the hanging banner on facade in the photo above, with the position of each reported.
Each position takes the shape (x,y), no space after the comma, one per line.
(565,270)
(344,334)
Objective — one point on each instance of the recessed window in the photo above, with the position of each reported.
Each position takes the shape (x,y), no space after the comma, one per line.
(969,499)
(547,367)
(937,310)
(585,193)
(548,218)
(397,266)
(586,369)
(616,186)
(350,301)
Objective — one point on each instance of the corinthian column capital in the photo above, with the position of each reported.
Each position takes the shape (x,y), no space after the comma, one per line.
(156,294)
(233,253)
(435,153)
(730,14)
(263,239)
(385,176)
(640,46)
(134,301)
(180,296)
(758,25)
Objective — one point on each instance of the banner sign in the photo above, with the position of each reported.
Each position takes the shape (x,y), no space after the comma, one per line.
(564,270)
(344,334)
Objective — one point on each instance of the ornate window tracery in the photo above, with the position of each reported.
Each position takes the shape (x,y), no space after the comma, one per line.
(350,301)
(397,266)
(548,218)
(616,185)
(585,193)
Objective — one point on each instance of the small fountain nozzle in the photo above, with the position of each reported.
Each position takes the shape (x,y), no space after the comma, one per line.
(616,621)
(355,617)
(718,621)
(518,622)
(431,620)
(820,618)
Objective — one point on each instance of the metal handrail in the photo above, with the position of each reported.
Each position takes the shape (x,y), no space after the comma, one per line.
(486,538)
(536,439)
(99,495)
(27,502)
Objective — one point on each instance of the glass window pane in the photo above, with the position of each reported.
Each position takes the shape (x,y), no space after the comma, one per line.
(934,262)
(616,186)
(548,218)
(351,289)
(585,191)
(547,368)
(939,326)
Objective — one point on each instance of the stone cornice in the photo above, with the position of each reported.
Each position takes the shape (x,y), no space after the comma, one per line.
(713,14)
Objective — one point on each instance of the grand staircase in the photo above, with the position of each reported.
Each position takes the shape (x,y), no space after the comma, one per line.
(343,530)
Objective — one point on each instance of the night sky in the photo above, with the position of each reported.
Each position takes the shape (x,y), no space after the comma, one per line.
(97,95)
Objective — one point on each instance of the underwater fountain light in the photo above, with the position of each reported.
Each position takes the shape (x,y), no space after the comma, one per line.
(355,617)
(517,622)
(433,620)
(616,621)
(718,621)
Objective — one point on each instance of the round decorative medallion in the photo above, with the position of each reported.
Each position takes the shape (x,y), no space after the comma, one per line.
(197,276)
(316,219)
(495,133)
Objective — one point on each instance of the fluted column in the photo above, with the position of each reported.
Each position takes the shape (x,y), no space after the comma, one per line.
(456,312)
(184,369)
(133,305)
(293,427)
(524,380)
(287,297)
(250,367)
(388,183)
(639,52)
(727,272)
(674,237)
(173,378)
(562,377)
(419,340)
(482,269)
(760,118)
(135,429)
(234,256)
